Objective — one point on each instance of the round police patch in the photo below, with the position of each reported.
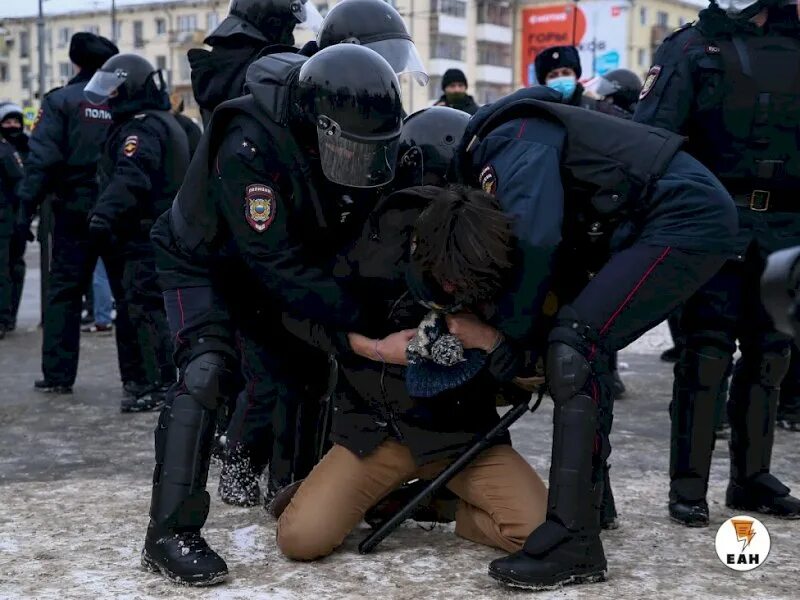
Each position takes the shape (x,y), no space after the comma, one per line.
(259,207)
(130,145)
(652,77)
(488,180)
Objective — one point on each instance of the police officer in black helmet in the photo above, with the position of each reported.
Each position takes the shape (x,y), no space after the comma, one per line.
(253,212)
(250,27)
(731,82)
(145,158)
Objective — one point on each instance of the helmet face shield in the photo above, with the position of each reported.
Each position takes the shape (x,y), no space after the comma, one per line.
(403,56)
(103,84)
(306,14)
(352,161)
(602,86)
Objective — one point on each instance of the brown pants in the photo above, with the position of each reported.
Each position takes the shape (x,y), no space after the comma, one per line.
(502,498)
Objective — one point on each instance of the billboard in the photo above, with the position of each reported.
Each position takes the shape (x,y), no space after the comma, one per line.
(598,28)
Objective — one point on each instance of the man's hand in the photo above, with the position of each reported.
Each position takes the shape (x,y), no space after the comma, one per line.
(472,332)
(390,350)
(100,230)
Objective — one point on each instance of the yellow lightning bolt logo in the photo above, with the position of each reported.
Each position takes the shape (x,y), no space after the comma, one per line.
(744,531)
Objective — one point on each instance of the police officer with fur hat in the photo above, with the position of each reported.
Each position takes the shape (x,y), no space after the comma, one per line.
(13,148)
(142,167)
(282,178)
(730,82)
(65,147)
(250,27)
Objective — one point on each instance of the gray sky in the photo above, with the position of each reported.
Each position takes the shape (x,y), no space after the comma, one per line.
(23,8)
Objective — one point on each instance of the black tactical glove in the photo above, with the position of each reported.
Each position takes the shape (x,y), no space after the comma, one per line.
(100,230)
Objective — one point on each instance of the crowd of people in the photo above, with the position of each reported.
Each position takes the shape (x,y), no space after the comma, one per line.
(326,291)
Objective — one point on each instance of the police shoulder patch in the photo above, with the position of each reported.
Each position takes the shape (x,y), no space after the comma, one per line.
(488,180)
(259,206)
(130,145)
(650,81)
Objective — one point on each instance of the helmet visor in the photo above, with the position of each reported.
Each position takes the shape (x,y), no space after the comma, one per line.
(403,56)
(355,162)
(306,14)
(601,86)
(103,84)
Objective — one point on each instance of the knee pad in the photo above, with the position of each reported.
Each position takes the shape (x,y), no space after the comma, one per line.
(568,370)
(207,379)
(707,366)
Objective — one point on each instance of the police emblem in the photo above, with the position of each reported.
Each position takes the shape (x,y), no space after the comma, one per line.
(652,77)
(130,145)
(259,209)
(488,180)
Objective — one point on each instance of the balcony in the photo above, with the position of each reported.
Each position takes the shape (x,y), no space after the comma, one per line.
(448,25)
(494,74)
(486,32)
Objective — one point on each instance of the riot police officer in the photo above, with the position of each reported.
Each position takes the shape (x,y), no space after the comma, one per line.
(260,431)
(250,27)
(593,193)
(144,161)
(65,147)
(13,147)
(252,214)
(731,82)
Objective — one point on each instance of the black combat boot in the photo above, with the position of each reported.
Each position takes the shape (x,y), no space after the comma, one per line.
(182,556)
(238,479)
(150,400)
(752,413)
(699,375)
(50,387)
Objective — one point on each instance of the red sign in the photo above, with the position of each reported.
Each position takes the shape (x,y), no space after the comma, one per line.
(549,26)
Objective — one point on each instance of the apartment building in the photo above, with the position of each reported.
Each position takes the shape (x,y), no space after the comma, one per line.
(475,36)
(609,34)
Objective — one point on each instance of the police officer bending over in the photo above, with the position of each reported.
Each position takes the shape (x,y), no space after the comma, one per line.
(252,212)
(651,222)
(145,159)
(731,83)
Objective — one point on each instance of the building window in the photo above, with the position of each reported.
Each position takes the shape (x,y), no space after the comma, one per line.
(490,53)
(212,21)
(494,12)
(643,15)
(662,19)
(187,23)
(64,70)
(24,44)
(161,26)
(161,63)
(138,34)
(641,57)
(184,69)
(63,36)
(447,46)
(25,74)
(3,72)
(486,93)
(95,29)
(453,8)
(117,31)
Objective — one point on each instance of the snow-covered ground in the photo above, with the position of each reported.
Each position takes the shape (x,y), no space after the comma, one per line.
(74,495)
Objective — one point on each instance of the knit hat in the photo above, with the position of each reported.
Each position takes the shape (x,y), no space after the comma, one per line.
(555,58)
(90,51)
(453,76)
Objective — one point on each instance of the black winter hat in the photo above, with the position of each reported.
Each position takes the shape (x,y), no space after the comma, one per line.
(453,76)
(556,58)
(90,51)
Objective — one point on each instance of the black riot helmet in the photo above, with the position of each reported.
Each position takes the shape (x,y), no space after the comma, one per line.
(128,83)
(627,86)
(746,9)
(378,26)
(428,144)
(268,21)
(350,96)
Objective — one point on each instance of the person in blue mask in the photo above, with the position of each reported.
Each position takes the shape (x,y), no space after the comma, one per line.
(559,68)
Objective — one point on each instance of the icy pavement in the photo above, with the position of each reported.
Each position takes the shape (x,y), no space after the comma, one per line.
(74,494)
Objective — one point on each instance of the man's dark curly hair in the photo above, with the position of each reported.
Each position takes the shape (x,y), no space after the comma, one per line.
(464,245)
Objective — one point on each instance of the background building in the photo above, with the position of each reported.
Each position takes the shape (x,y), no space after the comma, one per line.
(475,36)
(610,34)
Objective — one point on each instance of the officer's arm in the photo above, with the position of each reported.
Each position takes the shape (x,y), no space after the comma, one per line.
(668,91)
(45,157)
(136,156)
(257,217)
(520,161)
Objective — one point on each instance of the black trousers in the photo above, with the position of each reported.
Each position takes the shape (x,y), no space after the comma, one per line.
(12,275)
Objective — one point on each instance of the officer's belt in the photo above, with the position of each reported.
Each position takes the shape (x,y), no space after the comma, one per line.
(768,201)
